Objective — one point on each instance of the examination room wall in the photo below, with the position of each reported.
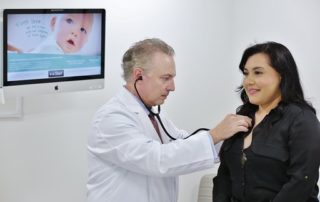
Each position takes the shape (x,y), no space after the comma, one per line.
(43,154)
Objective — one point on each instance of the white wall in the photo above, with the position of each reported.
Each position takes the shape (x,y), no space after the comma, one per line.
(43,155)
(295,23)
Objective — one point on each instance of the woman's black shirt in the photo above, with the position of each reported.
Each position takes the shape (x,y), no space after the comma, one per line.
(281,164)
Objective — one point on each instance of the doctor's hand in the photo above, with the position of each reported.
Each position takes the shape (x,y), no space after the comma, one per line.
(229,126)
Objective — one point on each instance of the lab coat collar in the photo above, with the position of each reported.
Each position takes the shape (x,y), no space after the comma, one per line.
(132,101)
(135,105)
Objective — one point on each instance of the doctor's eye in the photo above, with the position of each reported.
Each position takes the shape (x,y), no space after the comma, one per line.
(166,78)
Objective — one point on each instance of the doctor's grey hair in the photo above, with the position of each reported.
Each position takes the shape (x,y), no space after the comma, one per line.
(140,54)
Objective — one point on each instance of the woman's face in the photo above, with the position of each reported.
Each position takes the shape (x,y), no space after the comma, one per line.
(261,81)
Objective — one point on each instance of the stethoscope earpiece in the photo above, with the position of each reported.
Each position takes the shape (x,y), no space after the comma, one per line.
(139,78)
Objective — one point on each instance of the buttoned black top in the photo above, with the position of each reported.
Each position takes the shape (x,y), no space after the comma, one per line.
(281,164)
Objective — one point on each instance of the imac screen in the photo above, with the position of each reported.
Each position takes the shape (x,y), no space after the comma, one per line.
(50,45)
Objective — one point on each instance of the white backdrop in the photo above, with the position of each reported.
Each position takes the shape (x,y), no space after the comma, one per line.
(43,155)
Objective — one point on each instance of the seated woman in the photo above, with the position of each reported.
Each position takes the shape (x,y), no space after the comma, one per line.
(278,159)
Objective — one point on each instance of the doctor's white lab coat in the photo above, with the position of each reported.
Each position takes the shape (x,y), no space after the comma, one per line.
(127,161)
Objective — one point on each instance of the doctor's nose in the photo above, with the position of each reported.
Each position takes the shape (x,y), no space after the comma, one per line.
(171,86)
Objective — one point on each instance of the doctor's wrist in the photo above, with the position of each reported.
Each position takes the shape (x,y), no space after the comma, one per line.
(215,136)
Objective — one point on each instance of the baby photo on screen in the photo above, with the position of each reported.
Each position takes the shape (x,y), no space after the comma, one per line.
(49,45)
(67,33)
(70,33)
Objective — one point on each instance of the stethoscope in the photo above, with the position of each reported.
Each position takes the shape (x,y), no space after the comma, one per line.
(157,115)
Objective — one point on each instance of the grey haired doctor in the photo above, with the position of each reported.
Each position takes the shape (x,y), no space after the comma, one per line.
(130,156)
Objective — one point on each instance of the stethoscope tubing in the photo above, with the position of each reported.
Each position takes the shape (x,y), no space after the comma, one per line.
(157,115)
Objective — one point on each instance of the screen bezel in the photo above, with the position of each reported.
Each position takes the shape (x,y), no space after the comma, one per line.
(7,12)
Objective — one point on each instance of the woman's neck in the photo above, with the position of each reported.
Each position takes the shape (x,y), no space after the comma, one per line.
(266,108)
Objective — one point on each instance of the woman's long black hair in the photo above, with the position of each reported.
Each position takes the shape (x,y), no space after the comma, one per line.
(283,62)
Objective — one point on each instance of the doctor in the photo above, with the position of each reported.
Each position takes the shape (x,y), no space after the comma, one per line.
(130,156)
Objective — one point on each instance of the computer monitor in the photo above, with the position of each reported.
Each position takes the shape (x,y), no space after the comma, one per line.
(52,50)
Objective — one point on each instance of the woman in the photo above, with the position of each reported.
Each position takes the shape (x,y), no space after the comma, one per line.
(278,160)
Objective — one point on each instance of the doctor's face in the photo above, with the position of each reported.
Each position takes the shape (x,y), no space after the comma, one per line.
(158,79)
(261,81)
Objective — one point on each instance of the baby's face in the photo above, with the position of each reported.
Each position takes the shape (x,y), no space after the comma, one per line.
(72,31)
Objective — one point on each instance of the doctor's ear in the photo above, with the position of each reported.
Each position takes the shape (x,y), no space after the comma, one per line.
(137,72)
